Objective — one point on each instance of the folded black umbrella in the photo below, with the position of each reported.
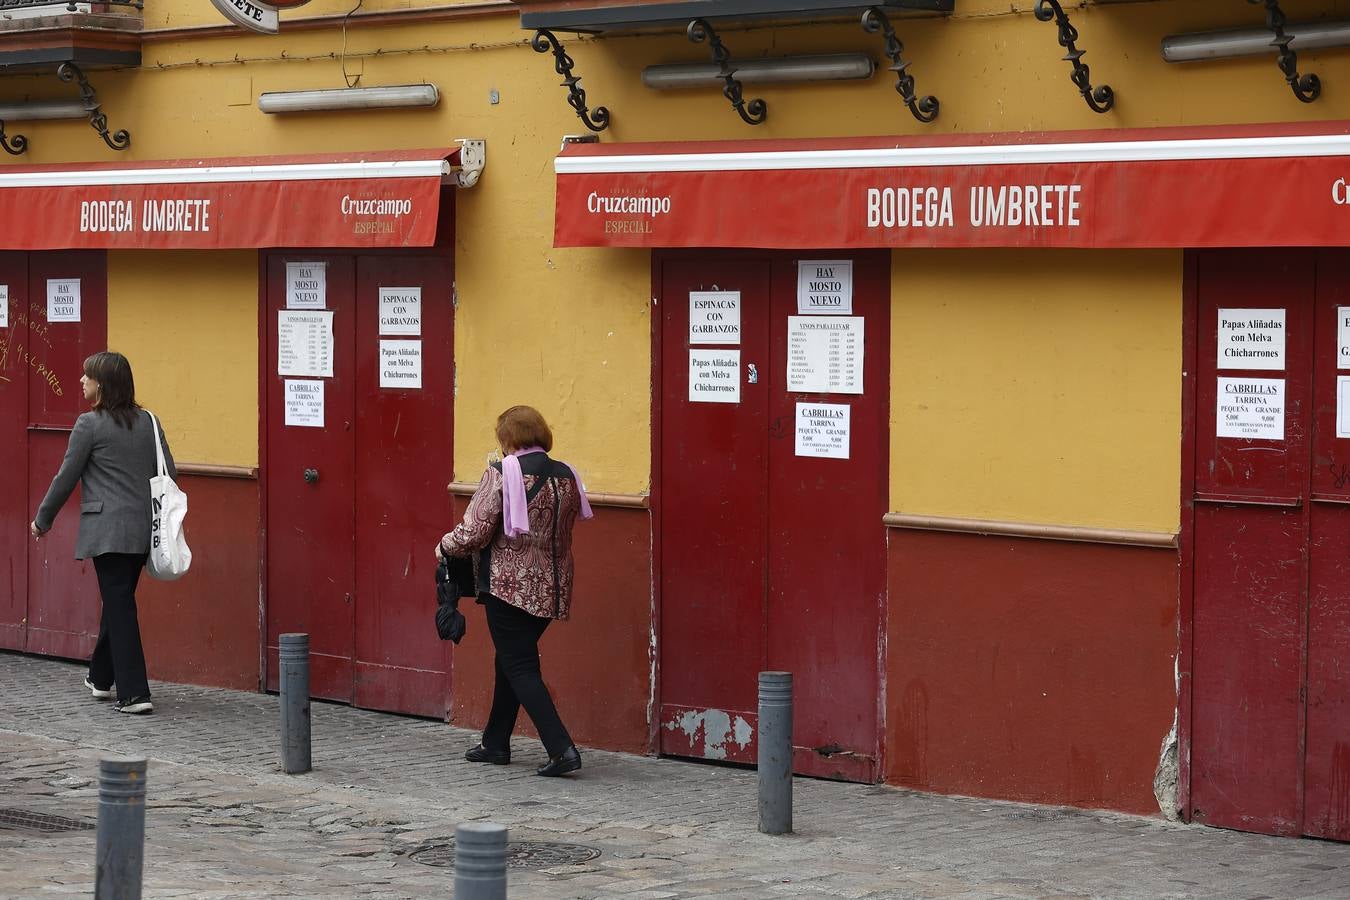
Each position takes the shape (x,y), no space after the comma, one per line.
(454,579)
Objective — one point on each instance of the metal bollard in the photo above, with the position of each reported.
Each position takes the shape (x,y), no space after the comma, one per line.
(775,752)
(294,655)
(120,853)
(480,861)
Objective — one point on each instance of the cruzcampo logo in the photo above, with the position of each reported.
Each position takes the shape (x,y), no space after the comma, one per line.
(255,14)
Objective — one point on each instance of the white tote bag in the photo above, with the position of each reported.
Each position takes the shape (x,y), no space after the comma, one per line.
(169,553)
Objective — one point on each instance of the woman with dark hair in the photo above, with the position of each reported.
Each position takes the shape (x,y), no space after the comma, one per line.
(519,523)
(112,456)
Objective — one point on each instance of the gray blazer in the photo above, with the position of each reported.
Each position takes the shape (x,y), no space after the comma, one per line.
(114,466)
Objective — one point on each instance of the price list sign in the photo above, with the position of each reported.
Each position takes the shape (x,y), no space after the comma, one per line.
(825,354)
(305,343)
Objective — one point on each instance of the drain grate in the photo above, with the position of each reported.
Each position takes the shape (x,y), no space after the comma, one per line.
(519,854)
(43,823)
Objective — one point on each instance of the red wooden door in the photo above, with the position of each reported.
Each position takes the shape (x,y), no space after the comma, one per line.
(1270,716)
(1327,760)
(310,479)
(346,548)
(403,461)
(714,518)
(63,599)
(14,511)
(1250,549)
(770,560)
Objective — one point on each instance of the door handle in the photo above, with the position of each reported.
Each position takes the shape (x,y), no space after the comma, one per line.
(751,374)
(311,476)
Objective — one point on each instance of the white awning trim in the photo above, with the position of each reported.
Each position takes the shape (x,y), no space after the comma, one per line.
(432,168)
(924,157)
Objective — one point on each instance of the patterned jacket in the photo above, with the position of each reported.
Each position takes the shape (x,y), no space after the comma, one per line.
(530,571)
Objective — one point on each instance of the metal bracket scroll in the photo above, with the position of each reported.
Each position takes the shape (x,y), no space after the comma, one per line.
(925,109)
(1305,87)
(119,140)
(1099,99)
(15,145)
(753,112)
(544,41)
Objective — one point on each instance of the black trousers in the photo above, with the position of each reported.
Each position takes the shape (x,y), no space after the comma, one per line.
(118,655)
(515,636)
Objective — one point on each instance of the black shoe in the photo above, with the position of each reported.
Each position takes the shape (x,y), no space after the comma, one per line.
(135,706)
(484,755)
(567,761)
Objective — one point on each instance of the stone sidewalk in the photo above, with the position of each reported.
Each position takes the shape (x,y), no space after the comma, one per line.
(375,817)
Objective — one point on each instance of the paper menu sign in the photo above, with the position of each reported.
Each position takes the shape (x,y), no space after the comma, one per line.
(714,376)
(306,285)
(1251,339)
(63,300)
(401,310)
(305,343)
(401,364)
(825,287)
(823,430)
(1250,408)
(304,403)
(714,317)
(825,354)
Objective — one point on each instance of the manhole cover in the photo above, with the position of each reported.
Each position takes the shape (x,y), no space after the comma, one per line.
(519,854)
(43,823)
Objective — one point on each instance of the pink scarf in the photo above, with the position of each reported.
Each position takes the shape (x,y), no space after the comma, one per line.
(515,511)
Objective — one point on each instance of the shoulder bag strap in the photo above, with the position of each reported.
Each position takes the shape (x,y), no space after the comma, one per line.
(160,467)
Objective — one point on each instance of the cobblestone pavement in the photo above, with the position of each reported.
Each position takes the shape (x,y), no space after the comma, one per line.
(222,821)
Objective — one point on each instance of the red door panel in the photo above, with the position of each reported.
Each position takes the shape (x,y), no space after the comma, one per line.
(14,512)
(1327,773)
(404,459)
(1251,543)
(310,560)
(714,515)
(769,560)
(827,548)
(63,599)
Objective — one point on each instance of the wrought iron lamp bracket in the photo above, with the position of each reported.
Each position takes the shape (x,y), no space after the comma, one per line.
(118,140)
(924,109)
(12,145)
(1099,99)
(544,41)
(1305,87)
(752,112)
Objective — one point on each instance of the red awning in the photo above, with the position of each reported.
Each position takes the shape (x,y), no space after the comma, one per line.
(389,199)
(1193,187)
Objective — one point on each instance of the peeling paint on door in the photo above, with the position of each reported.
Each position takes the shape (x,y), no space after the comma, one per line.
(711,731)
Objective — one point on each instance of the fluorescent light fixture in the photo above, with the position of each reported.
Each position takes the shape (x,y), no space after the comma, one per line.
(1252,41)
(825,67)
(400,95)
(43,109)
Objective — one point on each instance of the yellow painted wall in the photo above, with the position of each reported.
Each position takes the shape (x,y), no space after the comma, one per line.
(189,324)
(569,330)
(1037,385)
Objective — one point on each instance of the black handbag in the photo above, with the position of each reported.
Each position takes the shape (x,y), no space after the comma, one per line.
(454,579)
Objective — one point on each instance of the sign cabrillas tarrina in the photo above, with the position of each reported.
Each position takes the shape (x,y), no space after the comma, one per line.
(256,15)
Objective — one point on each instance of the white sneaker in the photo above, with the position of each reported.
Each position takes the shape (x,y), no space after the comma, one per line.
(99,693)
